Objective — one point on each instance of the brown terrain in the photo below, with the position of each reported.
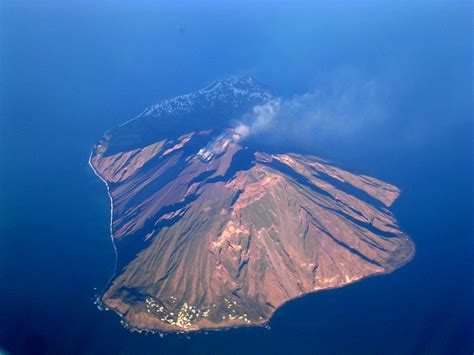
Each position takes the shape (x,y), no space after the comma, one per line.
(210,242)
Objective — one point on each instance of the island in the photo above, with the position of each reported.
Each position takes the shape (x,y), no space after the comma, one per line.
(212,233)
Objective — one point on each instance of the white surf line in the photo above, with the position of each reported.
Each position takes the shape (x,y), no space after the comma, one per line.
(134,118)
(111,220)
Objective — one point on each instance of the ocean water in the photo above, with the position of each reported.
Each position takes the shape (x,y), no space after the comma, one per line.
(397,78)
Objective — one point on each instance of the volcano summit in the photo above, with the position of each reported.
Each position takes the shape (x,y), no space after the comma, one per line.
(211,233)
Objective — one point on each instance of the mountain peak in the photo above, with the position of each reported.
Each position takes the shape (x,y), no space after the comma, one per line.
(212,107)
(240,82)
(234,91)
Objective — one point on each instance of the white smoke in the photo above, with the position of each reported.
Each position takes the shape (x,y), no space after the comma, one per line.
(263,115)
(340,111)
(240,132)
(257,121)
(335,115)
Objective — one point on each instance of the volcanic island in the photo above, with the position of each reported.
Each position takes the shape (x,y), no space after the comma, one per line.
(211,233)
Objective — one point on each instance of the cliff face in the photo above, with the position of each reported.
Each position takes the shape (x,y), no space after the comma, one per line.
(223,239)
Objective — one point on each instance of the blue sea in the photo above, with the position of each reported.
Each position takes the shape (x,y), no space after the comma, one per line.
(395,77)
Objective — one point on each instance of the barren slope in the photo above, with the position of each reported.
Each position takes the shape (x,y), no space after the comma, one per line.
(224,241)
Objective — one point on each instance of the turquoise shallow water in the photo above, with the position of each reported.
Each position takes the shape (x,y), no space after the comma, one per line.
(71,71)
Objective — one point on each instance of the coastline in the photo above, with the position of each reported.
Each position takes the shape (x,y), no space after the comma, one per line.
(265,323)
(409,254)
(99,297)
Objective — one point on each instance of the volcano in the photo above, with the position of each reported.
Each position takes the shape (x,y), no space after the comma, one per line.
(211,233)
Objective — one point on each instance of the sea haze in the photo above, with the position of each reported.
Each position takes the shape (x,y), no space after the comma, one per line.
(379,89)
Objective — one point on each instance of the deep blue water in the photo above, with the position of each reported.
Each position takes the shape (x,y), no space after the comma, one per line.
(71,70)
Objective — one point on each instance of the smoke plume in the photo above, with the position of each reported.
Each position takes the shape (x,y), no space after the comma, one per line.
(342,111)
